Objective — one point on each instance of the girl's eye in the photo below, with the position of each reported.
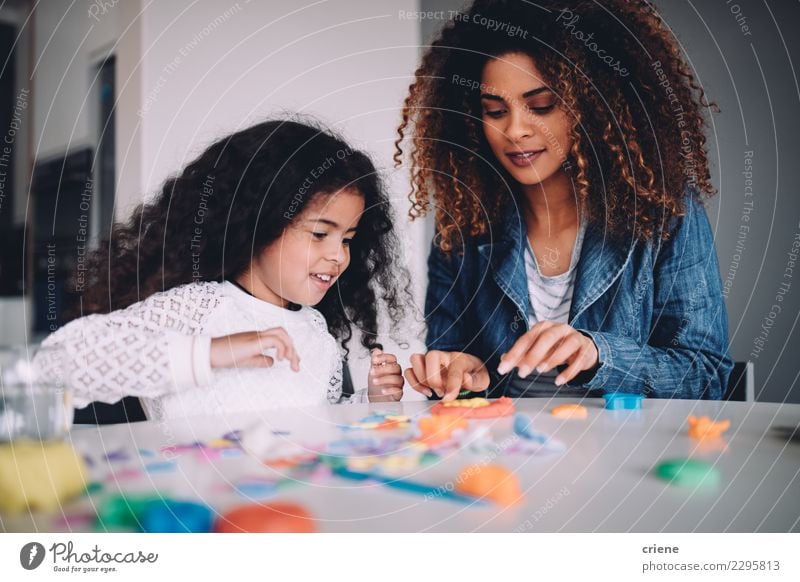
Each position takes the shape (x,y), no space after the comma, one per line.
(496,114)
(319,235)
(346,242)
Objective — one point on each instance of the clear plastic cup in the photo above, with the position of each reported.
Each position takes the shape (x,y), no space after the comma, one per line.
(34,403)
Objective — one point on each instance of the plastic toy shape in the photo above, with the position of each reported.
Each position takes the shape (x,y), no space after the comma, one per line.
(688,473)
(621,401)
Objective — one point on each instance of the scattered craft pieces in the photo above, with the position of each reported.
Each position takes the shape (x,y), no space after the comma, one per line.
(477,439)
(39,475)
(575,411)
(73,521)
(256,489)
(435,430)
(380,421)
(124,475)
(532,442)
(623,401)
(93,487)
(169,516)
(118,456)
(121,512)
(429,491)
(475,407)
(523,426)
(272,518)
(163,467)
(688,473)
(493,482)
(389,455)
(704,428)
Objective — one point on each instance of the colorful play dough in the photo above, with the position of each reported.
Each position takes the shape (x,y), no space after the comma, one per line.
(176,517)
(124,512)
(688,473)
(493,482)
(272,518)
(39,475)
(475,407)
(705,428)
(570,411)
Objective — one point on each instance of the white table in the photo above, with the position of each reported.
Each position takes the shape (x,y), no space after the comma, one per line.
(602,482)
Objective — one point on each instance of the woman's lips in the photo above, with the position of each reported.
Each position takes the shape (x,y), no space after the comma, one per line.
(524,159)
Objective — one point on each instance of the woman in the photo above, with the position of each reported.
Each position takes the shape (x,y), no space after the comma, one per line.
(563,149)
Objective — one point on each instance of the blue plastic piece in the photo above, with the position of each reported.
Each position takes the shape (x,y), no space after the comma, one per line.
(621,401)
(176,517)
(523,425)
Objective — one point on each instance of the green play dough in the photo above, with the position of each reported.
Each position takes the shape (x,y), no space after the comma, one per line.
(121,512)
(688,473)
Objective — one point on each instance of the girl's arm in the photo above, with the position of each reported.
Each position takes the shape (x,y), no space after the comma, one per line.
(686,355)
(149,349)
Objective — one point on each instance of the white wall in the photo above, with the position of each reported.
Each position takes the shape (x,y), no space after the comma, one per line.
(68,45)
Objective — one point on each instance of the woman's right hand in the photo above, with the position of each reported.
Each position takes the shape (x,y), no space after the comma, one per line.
(446,374)
(246,350)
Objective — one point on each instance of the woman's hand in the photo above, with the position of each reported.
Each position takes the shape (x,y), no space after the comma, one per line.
(547,345)
(385,380)
(446,373)
(247,350)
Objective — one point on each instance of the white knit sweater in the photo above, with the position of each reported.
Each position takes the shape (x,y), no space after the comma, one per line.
(159,350)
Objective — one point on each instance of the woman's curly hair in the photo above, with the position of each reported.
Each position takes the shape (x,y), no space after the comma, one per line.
(236,198)
(637,131)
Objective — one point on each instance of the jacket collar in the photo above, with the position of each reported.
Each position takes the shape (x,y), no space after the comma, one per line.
(601,263)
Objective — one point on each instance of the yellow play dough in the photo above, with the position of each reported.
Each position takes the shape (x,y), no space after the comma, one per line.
(467,403)
(39,475)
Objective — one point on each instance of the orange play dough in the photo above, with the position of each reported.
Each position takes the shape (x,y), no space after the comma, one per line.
(570,411)
(475,407)
(272,518)
(437,429)
(494,482)
(703,427)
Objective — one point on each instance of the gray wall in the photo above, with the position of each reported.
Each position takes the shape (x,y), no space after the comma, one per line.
(749,73)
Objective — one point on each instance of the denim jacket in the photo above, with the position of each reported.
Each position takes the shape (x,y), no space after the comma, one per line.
(654,309)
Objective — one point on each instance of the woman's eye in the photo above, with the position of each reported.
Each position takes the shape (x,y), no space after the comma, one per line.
(319,235)
(494,114)
(542,108)
(346,241)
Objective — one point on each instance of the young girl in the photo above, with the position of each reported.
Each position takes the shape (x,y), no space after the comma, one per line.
(201,303)
(562,144)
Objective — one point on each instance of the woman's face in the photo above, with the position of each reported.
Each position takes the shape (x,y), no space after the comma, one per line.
(526,129)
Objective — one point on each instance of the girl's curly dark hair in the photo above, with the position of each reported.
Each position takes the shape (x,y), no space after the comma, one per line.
(235,199)
(636,110)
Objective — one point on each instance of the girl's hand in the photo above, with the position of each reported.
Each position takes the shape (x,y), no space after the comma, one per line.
(446,373)
(385,378)
(247,350)
(547,345)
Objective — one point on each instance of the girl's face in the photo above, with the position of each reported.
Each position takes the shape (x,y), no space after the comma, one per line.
(313,251)
(526,129)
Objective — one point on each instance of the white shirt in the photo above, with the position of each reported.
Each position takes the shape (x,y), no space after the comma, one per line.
(551,298)
(159,350)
